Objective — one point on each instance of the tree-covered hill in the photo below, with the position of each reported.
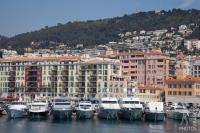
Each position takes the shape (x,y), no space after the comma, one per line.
(95,32)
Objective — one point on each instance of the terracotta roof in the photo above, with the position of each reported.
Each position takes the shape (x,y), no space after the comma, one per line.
(148,87)
(187,79)
(21,59)
(100,62)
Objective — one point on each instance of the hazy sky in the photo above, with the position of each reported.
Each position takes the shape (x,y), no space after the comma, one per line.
(19,16)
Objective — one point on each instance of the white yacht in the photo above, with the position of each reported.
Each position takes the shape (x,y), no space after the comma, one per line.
(177,112)
(155,111)
(108,108)
(62,108)
(17,109)
(38,109)
(85,110)
(131,108)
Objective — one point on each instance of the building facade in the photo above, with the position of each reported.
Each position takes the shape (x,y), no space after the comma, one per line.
(48,76)
(36,76)
(152,67)
(182,88)
(149,93)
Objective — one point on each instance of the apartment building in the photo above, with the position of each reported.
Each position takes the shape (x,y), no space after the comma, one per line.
(36,76)
(47,76)
(196,68)
(102,77)
(151,67)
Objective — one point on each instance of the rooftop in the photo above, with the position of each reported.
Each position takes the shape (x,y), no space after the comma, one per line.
(149,87)
(186,80)
(40,58)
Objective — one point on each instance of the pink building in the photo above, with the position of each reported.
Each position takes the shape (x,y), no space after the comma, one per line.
(151,67)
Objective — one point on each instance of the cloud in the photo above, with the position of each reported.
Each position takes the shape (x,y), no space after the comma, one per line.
(185,4)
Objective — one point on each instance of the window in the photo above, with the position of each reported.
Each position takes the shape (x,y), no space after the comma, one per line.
(105,66)
(174,92)
(175,86)
(125,67)
(160,60)
(142,91)
(132,56)
(99,72)
(133,66)
(160,66)
(125,61)
(185,86)
(189,86)
(153,91)
(105,84)
(133,72)
(179,86)
(133,77)
(105,72)
(169,86)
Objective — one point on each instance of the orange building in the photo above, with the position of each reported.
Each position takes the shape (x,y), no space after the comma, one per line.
(182,88)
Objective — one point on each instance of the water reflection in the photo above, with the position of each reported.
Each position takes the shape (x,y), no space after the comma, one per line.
(85,126)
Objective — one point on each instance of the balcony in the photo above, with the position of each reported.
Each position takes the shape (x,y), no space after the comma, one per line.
(11,79)
(54,72)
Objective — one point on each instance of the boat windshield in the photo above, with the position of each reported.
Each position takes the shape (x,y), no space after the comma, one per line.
(179,108)
(61,100)
(62,103)
(85,106)
(131,102)
(109,102)
(38,105)
(17,103)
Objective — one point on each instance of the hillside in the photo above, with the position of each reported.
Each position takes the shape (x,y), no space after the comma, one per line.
(95,32)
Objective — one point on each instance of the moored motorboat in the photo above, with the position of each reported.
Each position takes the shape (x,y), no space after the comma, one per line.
(62,108)
(130,108)
(108,108)
(17,109)
(177,112)
(38,109)
(154,111)
(84,110)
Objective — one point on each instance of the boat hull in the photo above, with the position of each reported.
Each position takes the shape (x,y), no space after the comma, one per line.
(62,114)
(176,115)
(155,116)
(108,113)
(38,115)
(14,113)
(83,114)
(1,111)
(130,114)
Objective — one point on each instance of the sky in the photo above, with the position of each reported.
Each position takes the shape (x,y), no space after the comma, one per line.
(20,16)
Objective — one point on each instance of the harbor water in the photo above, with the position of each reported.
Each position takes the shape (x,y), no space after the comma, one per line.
(94,125)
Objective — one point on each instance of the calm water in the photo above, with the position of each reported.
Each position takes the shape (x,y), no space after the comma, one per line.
(85,126)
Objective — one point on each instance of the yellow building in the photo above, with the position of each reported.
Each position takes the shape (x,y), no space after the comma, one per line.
(149,93)
(182,88)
